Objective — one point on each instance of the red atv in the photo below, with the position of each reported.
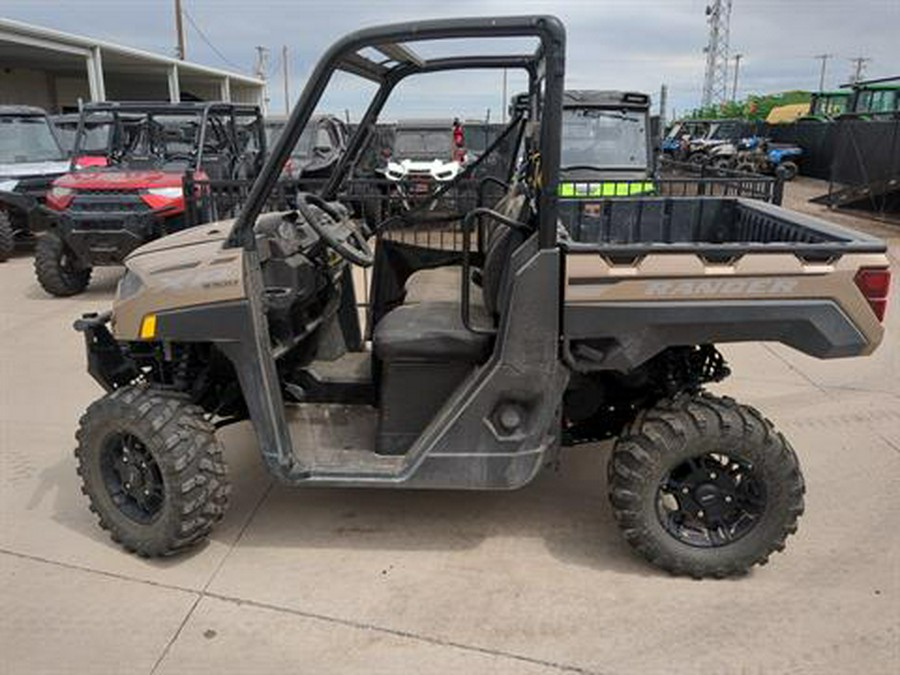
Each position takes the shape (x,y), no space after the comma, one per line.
(103,213)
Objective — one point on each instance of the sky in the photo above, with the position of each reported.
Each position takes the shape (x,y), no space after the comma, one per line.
(633,45)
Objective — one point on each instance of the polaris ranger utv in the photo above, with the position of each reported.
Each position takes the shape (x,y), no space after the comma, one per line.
(105,212)
(30,159)
(600,327)
(606,146)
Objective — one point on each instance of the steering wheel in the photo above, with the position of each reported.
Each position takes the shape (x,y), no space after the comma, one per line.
(333,224)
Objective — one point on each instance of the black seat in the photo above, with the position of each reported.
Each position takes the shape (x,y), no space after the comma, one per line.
(431,330)
(434,330)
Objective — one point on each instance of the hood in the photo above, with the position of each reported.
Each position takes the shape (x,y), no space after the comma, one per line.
(24,169)
(206,234)
(117,179)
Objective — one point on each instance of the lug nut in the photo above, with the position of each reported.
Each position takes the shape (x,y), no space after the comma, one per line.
(700,513)
(728,500)
(684,490)
(712,475)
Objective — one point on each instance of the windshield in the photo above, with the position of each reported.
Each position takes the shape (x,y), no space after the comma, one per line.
(422,144)
(27,139)
(604,139)
(95,140)
(831,106)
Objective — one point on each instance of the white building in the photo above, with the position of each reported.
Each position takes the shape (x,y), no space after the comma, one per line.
(53,70)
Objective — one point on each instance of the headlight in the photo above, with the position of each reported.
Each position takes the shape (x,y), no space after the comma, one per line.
(59,198)
(167,192)
(60,192)
(8,185)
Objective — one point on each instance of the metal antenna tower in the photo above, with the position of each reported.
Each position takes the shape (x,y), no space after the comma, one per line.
(715,81)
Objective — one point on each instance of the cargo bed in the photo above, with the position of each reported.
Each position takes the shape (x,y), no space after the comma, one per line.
(707,225)
(645,274)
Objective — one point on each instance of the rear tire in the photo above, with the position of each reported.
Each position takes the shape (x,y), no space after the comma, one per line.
(153,470)
(57,269)
(709,532)
(7,237)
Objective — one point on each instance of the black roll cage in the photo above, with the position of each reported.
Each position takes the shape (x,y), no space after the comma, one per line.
(201,109)
(545,66)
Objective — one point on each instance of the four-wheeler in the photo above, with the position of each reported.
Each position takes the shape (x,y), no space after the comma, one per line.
(105,212)
(759,155)
(421,161)
(606,145)
(598,325)
(30,158)
(718,132)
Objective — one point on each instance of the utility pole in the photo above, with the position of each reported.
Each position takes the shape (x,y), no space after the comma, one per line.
(737,69)
(860,67)
(503,112)
(284,71)
(663,97)
(715,80)
(262,67)
(179,31)
(824,58)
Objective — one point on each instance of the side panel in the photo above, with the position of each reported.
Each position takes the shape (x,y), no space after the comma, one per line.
(660,300)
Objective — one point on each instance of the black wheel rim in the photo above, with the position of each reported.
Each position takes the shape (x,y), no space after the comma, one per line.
(711,500)
(132,477)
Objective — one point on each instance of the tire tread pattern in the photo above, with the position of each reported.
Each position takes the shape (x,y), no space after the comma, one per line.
(670,427)
(190,458)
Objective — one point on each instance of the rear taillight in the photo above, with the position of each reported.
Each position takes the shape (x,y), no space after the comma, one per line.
(874,283)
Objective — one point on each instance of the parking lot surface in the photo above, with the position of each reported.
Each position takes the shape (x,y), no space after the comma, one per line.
(353,581)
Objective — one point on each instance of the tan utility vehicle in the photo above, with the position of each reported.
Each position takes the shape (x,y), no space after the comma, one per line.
(590,322)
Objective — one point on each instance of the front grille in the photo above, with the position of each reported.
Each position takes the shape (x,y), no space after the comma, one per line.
(108,201)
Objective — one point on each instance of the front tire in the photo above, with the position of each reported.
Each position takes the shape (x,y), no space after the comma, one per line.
(7,237)
(153,470)
(58,272)
(705,487)
(789,170)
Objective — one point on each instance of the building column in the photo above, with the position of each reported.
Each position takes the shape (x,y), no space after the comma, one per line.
(96,84)
(225,89)
(174,84)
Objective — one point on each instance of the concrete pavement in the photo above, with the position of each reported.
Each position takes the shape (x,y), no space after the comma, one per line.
(535,581)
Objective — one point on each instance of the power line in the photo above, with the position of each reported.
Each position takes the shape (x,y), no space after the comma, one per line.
(208,42)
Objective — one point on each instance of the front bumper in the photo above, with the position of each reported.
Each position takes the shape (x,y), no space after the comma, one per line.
(98,238)
(107,362)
